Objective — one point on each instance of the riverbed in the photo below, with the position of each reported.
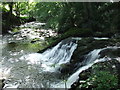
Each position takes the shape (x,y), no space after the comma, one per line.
(15,66)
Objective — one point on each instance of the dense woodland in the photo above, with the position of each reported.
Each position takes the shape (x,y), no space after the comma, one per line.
(95,18)
(74,19)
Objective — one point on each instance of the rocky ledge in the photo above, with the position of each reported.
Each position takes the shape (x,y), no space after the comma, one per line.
(101,76)
(85,45)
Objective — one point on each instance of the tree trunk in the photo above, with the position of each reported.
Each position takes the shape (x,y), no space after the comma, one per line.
(11,7)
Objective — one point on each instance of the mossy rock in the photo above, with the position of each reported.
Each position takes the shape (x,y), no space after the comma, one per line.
(113,53)
(66,68)
(101,75)
(74,32)
(85,74)
(86,45)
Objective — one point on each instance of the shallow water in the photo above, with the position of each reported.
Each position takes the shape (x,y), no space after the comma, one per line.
(24,72)
(22,67)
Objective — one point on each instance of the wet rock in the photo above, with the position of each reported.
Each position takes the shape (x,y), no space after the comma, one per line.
(85,45)
(65,68)
(35,40)
(85,74)
(110,53)
(16,33)
(28,32)
(12,43)
(112,67)
(2,83)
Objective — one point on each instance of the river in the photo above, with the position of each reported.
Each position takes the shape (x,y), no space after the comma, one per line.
(22,67)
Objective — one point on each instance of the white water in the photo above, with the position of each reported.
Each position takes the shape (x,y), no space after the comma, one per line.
(28,71)
(36,70)
(105,38)
(91,58)
(51,59)
(118,59)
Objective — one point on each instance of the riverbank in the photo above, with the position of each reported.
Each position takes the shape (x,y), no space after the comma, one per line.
(9,21)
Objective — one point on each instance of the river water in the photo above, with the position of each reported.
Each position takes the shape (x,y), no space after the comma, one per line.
(21,67)
(24,69)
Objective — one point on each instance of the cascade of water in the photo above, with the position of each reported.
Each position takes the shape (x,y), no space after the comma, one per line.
(88,62)
(29,66)
(61,53)
(53,58)
(91,58)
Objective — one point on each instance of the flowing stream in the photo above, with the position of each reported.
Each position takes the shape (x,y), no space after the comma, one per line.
(34,70)
(91,58)
(24,69)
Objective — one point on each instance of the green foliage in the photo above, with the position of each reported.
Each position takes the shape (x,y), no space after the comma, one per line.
(19,8)
(24,8)
(49,12)
(63,16)
(104,80)
(101,80)
(77,32)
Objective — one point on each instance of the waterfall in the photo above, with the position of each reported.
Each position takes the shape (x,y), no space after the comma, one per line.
(51,59)
(30,70)
(62,52)
(91,58)
(36,70)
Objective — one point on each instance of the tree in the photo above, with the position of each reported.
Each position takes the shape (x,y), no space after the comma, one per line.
(95,16)
(11,6)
